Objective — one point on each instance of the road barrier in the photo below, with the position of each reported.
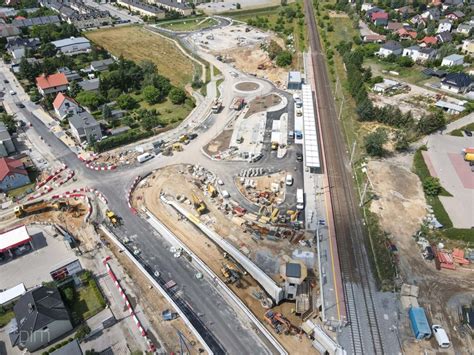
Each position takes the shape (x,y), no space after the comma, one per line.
(143,332)
(158,287)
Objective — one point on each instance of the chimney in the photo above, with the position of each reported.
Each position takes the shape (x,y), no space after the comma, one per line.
(31,307)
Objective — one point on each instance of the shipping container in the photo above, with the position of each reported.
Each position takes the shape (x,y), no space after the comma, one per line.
(419,323)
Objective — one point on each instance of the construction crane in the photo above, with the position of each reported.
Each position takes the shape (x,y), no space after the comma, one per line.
(199,204)
(112,217)
(38,207)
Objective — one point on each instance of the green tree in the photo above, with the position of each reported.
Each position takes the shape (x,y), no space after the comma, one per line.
(74,88)
(126,102)
(432,186)
(9,121)
(151,94)
(273,49)
(48,50)
(401,141)
(430,123)
(375,141)
(177,96)
(89,99)
(82,331)
(405,62)
(284,59)
(69,295)
(106,112)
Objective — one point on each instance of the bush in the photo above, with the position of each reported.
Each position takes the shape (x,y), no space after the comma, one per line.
(125,138)
(126,102)
(375,141)
(82,331)
(177,96)
(432,186)
(284,59)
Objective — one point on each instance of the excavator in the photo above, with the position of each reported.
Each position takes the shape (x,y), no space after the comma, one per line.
(280,323)
(112,217)
(199,204)
(231,273)
(38,207)
(212,190)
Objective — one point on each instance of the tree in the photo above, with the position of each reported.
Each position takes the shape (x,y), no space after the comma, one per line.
(148,67)
(74,88)
(284,59)
(432,186)
(151,94)
(106,112)
(273,49)
(89,99)
(430,123)
(9,121)
(82,331)
(375,141)
(48,50)
(401,141)
(405,62)
(177,96)
(69,295)
(126,102)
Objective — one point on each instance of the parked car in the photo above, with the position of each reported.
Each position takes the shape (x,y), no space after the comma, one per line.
(12,92)
(468,133)
(299,156)
(6,81)
(440,336)
(20,105)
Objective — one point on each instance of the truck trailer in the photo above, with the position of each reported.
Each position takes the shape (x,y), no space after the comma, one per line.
(419,323)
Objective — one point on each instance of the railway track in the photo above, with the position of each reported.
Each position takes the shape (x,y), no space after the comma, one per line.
(357,277)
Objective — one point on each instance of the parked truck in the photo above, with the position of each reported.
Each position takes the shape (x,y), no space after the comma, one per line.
(38,207)
(419,323)
(144,157)
(216,106)
(237,104)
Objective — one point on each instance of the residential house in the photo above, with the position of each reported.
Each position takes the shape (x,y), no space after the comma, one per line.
(6,144)
(73,45)
(379,18)
(393,26)
(451,3)
(465,28)
(64,105)
(71,75)
(101,65)
(419,20)
(444,26)
(90,85)
(40,318)
(452,60)
(386,86)
(18,47)
(51,84)
(458,83)
(90,20)
(375,38)
(366,6)
(372,10)
(142,8)
(15,63)
(431,14)
(444,37)
(406,33)
(179,6)
(391,47)
(428,41)
(405,11)
(418,54)
(7,30)
(12,174)
(468,46)
(455,15)
(36,21)
(85,127)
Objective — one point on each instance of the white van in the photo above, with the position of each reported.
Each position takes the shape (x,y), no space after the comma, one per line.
(440,336)
(299,199)
(289,180)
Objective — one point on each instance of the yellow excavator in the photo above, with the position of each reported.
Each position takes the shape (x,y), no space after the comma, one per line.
(112,217)
(177,147)
(212,190)
(199,204)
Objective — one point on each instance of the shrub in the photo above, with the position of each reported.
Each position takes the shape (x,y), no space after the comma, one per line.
(82,331)
(284,59)
(432,186)
(177,96)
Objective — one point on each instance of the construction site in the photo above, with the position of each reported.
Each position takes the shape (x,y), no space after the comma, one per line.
(260,252)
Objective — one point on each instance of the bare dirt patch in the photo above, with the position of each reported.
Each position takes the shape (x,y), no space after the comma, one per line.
(247,86)
(219,143)
(261,104)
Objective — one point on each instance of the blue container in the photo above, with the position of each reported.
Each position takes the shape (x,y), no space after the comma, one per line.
(419,323)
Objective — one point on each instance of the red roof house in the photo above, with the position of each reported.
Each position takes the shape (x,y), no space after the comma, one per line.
(64,105)
(403,33)
(429,40)
(20,18)
(12,174)
(52,83)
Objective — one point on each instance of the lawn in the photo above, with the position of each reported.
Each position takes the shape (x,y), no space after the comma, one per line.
(137,44)
(88,301)
(412,75)
(6,317)
(459,132)
(189,24)
(22,190)
(169,112)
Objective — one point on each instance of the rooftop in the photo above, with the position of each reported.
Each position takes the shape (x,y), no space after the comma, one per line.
(294,77)
(454,57)
(13,238)
(83,120)
(70,42)
(51,81)
(60,98)
(293,270)
(10,166)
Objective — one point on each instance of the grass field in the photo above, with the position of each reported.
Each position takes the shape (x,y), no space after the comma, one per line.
(459,132)
(170,113)
(137,44)
(6,317)
(189,24)
(88,301)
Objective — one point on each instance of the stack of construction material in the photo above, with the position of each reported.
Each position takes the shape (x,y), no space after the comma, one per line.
(445,260)
(409,296)
(458,257)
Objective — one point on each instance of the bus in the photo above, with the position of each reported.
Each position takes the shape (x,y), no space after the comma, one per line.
(299,199)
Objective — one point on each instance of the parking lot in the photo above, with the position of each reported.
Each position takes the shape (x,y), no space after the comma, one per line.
(445,155)
(48,253)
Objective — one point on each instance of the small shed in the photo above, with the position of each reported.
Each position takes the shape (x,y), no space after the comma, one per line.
(294,80)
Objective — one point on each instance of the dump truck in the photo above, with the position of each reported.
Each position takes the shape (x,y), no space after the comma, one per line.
(237,104)
(199,204)
(38,207)
(216,106)
(183,138)
(112,217)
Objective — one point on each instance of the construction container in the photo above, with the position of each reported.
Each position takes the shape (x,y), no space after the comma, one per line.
(419,323)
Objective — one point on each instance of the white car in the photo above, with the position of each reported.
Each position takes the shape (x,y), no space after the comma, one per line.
(12,92)
(289,180)
(440,336)
(220,182)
